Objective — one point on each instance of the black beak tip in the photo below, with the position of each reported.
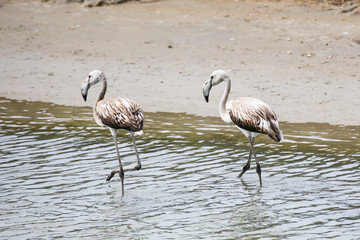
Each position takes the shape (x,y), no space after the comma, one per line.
(84,96)
(206,98)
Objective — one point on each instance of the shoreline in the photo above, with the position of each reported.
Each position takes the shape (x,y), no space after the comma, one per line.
(160,54)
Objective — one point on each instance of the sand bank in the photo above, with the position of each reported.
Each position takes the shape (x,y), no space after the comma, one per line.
(301,60)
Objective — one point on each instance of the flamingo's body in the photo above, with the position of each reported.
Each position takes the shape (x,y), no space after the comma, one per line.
(115,113)
(250,115)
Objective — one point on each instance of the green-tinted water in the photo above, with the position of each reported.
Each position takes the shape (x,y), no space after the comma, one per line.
(54,161)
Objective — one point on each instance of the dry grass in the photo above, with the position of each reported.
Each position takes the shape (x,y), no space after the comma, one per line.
(350,7)
(333,2)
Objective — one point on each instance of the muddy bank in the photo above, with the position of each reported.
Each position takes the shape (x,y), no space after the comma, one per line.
(302,60)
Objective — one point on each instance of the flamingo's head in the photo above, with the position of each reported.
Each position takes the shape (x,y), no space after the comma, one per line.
(215,78)
(93,78)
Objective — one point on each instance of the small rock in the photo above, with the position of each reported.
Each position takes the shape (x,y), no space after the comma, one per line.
(95,3)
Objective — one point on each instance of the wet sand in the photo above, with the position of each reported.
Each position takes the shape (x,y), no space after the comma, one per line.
(301,60)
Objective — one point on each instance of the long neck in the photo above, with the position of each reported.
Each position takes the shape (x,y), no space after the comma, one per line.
(100,97)
(222,106)
(103,90)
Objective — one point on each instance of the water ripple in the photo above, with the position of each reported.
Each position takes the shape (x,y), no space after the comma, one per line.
(54,161)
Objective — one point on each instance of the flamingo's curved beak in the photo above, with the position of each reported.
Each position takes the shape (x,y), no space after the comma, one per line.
(206,90)
(85,88)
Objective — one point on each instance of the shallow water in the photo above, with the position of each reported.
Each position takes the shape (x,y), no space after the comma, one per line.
(55,159)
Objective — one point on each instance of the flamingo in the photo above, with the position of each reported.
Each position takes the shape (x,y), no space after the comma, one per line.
(115,113)
(250,115)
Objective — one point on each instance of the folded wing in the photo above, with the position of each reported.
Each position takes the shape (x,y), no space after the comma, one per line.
(119,113)
(254,115)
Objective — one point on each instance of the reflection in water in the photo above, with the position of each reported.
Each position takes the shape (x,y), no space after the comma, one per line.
(54,161)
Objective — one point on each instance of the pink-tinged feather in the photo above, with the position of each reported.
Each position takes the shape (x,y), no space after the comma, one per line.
(119,113)
(254,115)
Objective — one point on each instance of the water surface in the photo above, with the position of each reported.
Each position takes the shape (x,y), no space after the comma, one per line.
(55,159)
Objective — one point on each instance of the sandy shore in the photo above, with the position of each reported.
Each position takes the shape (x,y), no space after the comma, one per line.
(303,61)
